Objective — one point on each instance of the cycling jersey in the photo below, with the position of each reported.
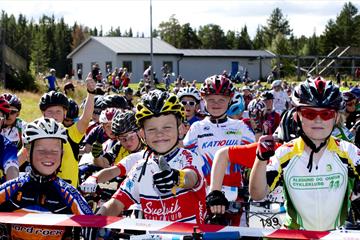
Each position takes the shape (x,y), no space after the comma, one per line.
(320,199)
(343,133)
(38,194)
(187,205)
(128,162)
(97,134)
(205,138)
(14,132)
(8,156)
(69,170)
(281,98)
(116,153)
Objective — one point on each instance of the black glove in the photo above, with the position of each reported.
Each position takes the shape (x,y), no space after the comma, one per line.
(96,150)
(215,198)
(265,148)
(217,219)
(166,180)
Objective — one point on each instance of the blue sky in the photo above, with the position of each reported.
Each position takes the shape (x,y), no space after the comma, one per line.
(305,16)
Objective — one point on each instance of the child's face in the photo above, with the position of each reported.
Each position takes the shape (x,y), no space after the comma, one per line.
(130,141)
(216,105)
(190,106)
(317,129)
(161,133)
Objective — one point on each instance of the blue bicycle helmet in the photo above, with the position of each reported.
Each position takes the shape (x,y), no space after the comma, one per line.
(237,105)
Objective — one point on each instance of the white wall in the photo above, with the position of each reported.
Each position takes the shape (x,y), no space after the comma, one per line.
(138,64)
(93,51)
(199,68)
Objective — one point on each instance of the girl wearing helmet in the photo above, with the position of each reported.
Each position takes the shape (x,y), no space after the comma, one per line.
(190,98)
(317,171)
(167,176)
(9,167)
(13,125)
(40,190)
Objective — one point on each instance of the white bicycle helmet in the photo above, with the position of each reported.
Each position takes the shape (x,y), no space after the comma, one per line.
(189,91)
(44,128)
(107,115)
(276,83)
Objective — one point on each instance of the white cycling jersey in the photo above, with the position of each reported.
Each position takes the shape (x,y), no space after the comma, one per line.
(187,205)
(129,161)
(205,138)
(319,199)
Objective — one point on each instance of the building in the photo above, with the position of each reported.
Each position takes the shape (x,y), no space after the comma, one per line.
(134,54)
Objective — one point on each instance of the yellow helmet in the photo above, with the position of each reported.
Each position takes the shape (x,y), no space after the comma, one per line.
(157,103)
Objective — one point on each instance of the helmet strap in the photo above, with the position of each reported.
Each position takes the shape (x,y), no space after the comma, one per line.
(311,144)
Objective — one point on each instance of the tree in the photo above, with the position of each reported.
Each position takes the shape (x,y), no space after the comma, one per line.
(39,54)
(259,39)
(212,37)
(170,31)
(188,38)
(276,24)
(78,35)
(243,40)
(231,42)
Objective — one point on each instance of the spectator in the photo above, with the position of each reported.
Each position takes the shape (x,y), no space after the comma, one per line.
(51,80)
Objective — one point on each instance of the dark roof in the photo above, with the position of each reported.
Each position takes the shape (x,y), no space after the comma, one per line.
(129,45)
(225,53)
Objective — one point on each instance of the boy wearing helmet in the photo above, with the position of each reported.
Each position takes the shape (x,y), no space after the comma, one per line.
(166,182)
(9,165)
(41,190)
(216,131)
(190,98)
(318,171)
(55,105)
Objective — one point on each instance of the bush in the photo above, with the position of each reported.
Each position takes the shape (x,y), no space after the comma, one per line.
(20,81)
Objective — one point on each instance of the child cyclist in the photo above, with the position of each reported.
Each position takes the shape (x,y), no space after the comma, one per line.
(166,182)
(123,155)
(318,171)
(41,191)
(217,130)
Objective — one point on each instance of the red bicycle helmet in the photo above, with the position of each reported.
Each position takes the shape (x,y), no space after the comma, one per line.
(217,85)
(4,105)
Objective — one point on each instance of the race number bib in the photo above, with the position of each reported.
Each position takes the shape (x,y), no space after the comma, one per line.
(266,215)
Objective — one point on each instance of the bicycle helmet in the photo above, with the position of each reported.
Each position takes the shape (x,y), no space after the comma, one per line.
(107,115)
(217,85)
(128,90)
(267,95)
(13,100)
(53,98)
(287,129)
(276,83)
(115,101)
(256,106)
(4,105)
(348,96)
(73,111)
(44,128)
(237,105)
(157,103)
(189,91)
(318,93)
(356,92)
(123,123)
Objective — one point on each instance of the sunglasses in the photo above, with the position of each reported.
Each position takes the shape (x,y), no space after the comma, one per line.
(127,138)
(14,111)
(97,112)
(190,103)
(312,114)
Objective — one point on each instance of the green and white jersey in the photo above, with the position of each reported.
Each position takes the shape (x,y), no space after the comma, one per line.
(320,199)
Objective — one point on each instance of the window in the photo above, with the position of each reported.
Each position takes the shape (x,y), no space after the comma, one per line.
(167,67)
(146,64)
(108,66)
(79,66)
(127,65)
